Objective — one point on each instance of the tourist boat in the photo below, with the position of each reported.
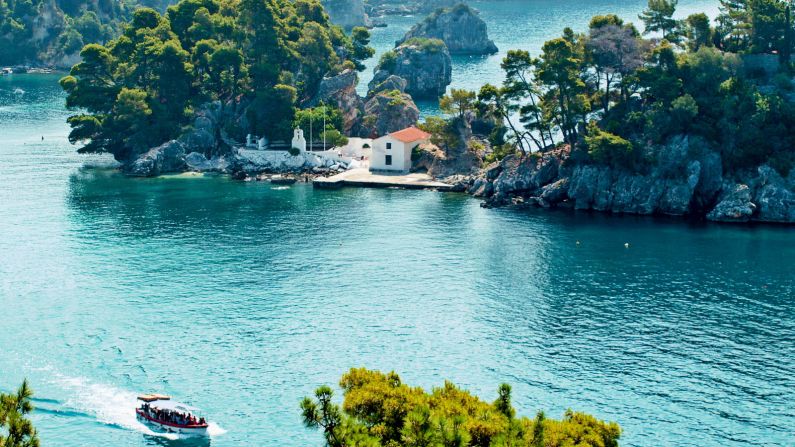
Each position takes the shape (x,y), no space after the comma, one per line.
(160,411)
(6,71)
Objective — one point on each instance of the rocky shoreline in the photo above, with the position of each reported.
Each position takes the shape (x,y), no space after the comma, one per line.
(694,188)
(677,185)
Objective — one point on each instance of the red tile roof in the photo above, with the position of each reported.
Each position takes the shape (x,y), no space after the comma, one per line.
(410,135)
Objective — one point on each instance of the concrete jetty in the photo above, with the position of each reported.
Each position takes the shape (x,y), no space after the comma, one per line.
(362,177)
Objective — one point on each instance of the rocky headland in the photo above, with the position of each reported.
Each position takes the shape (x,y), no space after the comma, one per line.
(686,180)
(459,27)
(210,144)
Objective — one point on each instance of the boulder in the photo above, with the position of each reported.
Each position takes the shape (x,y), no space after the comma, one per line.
(168,157)
(774,197)
(555,192)
(391,82)
(340,91)
(199,140)
(347,13)
(458,27)
(425,64)
(386,112)
(734,205)
(198,162)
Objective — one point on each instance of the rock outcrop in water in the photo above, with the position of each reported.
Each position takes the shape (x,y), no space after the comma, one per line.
(425,64)
(686,180)
(166,158)
(458,27)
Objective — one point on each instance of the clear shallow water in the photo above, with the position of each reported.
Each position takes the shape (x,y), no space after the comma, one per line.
(517,24)
(240,299)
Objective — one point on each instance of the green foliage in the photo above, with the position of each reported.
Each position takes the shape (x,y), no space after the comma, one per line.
(334,138)
(16,430)
(388,61)
(629,93)
(360,49)
(684,111)
(658,17)
(697,31)
(426,44)
(607,148)
(379,410)
(44,32)
(458,102)
(142,88)
(442,132)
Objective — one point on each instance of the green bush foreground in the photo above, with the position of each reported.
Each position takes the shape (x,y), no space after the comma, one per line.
(380,410)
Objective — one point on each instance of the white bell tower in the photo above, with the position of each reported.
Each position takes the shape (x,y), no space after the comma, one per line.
(299,142)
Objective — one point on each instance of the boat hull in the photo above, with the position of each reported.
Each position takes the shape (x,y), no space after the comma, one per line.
(192,430)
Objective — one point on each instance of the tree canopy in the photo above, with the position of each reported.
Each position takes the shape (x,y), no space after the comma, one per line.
(16,430)
(612,92)
(41,32)
(141,88)
(380,410)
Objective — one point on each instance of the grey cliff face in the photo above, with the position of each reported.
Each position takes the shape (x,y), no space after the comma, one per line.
(388,111)
(168,157)
(340,91)
(458,27)
(685,180)
(427,69)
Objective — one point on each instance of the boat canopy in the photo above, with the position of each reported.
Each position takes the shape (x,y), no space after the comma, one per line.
(153,397)
(172,406)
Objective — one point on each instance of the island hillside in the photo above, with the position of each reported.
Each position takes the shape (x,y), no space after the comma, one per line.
(685,119)
(690,117)
(51,33)
(208,72)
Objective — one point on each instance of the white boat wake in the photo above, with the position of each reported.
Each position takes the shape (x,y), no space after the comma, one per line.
(112,406)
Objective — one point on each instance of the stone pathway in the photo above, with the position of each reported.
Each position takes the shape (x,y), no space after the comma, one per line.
(364,178)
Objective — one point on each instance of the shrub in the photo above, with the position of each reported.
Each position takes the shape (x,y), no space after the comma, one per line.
(783,82)
(294,151)
(334,137)
(388,61)
(683,111)
(426,44)
(607,148)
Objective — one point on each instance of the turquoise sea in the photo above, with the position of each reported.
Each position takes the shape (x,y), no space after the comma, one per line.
(241,298)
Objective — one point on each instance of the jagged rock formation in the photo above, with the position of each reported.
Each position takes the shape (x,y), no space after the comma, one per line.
(458,27)
(340,91)
(347,13)
(686,180)
(425,64)
(387,111)
(168,157)
(460,155)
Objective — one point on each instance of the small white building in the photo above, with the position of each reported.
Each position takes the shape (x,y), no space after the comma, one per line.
(393,152)
(299,142)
